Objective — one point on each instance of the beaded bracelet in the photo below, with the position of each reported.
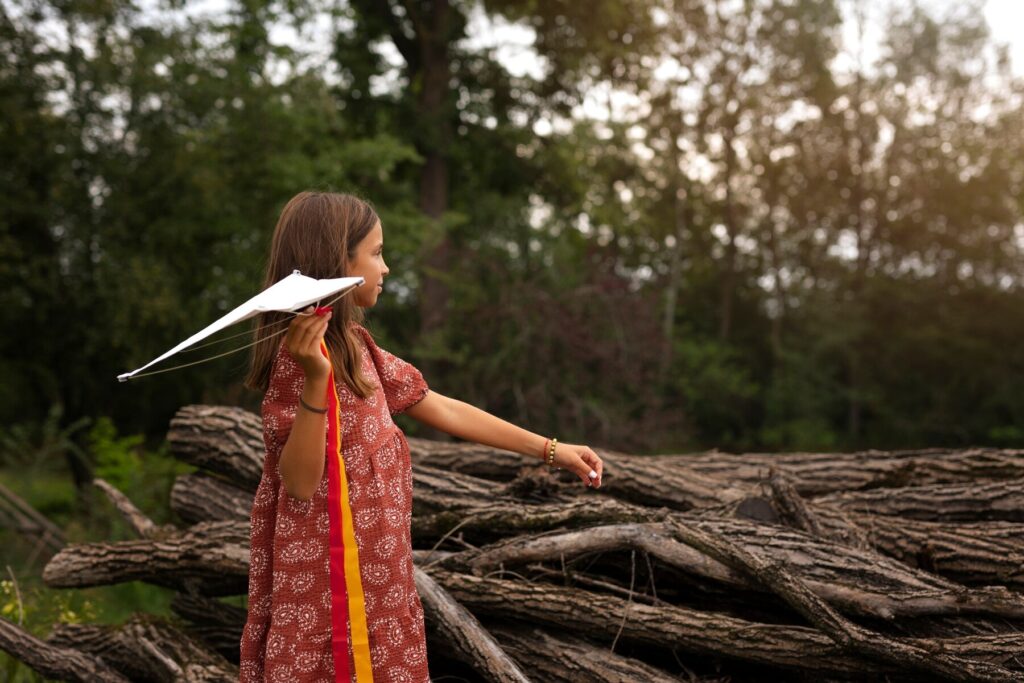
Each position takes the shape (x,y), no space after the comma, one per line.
(551,452)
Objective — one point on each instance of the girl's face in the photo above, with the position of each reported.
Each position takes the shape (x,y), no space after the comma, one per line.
(368,263)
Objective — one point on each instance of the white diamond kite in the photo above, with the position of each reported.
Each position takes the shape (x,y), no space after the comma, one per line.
(291,294)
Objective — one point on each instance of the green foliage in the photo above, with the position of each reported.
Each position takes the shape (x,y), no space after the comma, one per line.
(125,463)
(717,388)
(38,609)
(44,445)
(677,276)
(116,457)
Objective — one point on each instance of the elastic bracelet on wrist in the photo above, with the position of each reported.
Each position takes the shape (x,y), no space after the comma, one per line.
(321,411)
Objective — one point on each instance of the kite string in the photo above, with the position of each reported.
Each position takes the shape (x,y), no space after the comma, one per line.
(204,360)
(241,348)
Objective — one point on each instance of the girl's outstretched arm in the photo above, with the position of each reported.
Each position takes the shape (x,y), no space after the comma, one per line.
(469,423)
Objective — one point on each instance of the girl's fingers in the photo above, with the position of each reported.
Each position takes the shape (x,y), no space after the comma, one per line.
(304,333)
(313,335)
(582,469)
(314,330)
(301,340)
(581,460)
(594,466)
(295,329)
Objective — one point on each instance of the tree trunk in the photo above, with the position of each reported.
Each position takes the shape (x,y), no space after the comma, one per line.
(435,114)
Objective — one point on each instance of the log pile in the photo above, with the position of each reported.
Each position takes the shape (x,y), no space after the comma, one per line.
(897,566)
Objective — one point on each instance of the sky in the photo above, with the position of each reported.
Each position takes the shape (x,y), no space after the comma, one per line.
(512,42)
(1006,19)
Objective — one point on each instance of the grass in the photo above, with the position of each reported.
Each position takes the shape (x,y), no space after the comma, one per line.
(38,473)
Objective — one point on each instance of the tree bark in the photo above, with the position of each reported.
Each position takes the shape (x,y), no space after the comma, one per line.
(147,648)
(747,564)
(213,556)
(1002,501)
(797,648)
(221,439)
(433,33)
(816,474)
(855,581)
(53,660)
(202,497)
(466,638)
(811,474)
(774,575)
(562,660)
(213,622)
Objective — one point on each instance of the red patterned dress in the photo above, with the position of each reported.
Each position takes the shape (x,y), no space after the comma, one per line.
(294,595)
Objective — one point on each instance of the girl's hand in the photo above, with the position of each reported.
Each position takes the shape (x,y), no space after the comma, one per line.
(303,341)
(581,460)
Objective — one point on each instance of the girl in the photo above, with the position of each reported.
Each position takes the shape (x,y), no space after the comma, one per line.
(331,591)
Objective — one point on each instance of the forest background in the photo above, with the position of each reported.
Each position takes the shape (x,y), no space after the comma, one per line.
(734,224)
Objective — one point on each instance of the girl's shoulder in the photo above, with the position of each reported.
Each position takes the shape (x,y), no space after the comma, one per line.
(364,333)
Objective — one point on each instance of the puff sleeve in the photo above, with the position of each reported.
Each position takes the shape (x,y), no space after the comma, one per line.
(403,384)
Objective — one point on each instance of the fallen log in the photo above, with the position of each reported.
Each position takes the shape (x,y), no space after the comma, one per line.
(633,479)
(563,660)
(137,520)
(812,474)
(982,553)
(972,553)
(855,581)
(815,474)
(806,587)
(467,640)
(796,648)
(211,557)
(221,439)
(212,621)
(986,501)
(202,497)
(435,490)
(53,660)
(773,574)
(147,648)
(503,518)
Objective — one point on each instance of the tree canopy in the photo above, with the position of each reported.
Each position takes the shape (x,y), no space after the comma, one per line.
(706,223)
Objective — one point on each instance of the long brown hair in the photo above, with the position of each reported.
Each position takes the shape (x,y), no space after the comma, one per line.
(317,234)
